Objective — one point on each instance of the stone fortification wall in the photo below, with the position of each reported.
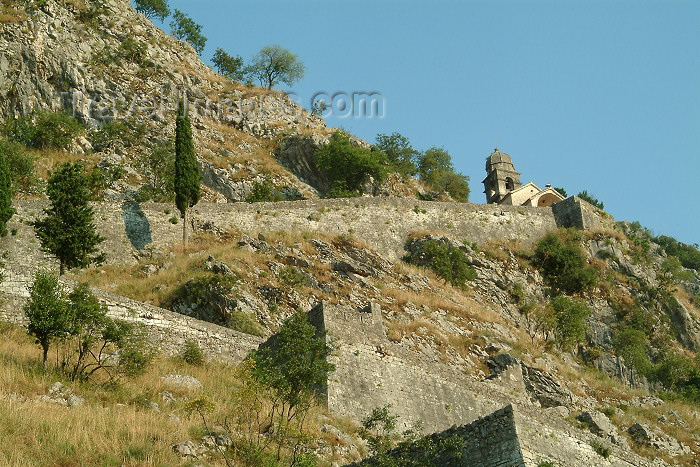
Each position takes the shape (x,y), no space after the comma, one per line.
(580,214)
(167,330)
(383,223)
(371,372)
(491,441)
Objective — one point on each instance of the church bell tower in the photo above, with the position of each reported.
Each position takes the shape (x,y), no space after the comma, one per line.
(501,177)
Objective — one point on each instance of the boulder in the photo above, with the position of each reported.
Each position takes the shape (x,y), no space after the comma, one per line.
(643,434)
(600,425)
(60,394)
(181,381)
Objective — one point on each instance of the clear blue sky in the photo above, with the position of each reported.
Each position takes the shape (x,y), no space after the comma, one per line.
(596,95)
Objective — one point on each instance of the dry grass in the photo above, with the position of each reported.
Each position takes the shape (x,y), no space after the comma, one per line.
(114,427)
(685,299)
(48,160)
(37,433)
(260,157)
(156,288)
(428,298)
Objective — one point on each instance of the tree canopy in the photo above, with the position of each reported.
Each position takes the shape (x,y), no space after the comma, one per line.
(228,65)
(294,363)
(6,210)
(47,311)
(348,166)
(400,153)
(67,231)
(185,29)
(153,8)
(275,64)
(435,168)
(187,176)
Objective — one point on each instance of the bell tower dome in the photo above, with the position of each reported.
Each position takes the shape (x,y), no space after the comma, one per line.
(501,177)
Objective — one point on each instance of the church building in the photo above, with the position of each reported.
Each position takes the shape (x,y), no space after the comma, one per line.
(502,185)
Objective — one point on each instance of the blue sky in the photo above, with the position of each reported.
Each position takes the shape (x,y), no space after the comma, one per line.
(596,95)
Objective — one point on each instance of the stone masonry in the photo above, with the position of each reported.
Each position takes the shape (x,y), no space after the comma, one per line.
(491,441)
(372,371)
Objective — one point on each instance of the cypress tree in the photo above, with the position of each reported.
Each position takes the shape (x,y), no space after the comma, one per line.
(187,176)
(67,231)
(6,210)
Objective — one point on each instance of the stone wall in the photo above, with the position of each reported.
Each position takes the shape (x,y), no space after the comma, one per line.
(491,441)
(372,371)
(167,330)
(577,213)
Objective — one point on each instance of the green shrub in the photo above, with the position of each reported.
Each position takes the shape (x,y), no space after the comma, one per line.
(192,353)
(563,265)
(243,322)
(158,166)
(602,450)
(680,374)
(292,277)
(448,261)
(43,130)
(587,197)
(570,315)
(435,168)
(348,166)
(100,179)
(264,191)
(21,166)
(631,344)
(125,133)
(399,152)
(688,255)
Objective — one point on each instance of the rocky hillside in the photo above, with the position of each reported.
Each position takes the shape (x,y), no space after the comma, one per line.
(104,62)
(497,308)
(592,335)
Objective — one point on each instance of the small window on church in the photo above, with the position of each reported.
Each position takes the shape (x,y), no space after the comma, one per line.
(509,183)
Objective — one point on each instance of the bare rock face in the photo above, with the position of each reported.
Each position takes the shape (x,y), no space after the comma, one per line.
(643,434)
(540,385)
(600,425)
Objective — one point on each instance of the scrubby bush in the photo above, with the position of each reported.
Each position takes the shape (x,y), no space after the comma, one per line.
(631,344)
(562,263)
(99,179)
(124,133)
(192,353)
(348,166)
(570,315)
(447,260)
(264,191)
(20,165)
(245,323)
(44,130)
(292,277)
(587,197)
(688,255)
